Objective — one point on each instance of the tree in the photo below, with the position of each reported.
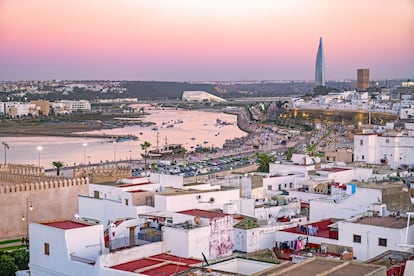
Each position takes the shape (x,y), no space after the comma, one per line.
(145,146)
(7,266)
(57,165)
(290,151)
(21,258)
(264,159)
(6,147)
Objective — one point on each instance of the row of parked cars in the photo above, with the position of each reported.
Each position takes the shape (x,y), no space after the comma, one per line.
(200,167)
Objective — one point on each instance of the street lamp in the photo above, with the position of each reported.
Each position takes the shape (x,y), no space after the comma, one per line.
(6,147)
(25,217)
(39,149)
(84,152)
(114,151)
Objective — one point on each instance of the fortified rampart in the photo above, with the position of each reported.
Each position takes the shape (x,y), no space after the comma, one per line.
(102,174)
(52,198)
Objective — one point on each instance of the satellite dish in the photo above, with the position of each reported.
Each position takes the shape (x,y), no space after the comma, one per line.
(197,221)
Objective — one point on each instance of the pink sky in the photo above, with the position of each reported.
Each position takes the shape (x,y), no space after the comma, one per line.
(204,39)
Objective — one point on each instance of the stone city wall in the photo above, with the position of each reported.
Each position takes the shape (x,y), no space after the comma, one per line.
(52,199)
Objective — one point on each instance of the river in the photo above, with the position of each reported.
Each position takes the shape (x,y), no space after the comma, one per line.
(197,128)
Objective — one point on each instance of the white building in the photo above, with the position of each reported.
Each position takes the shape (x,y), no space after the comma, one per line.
(72,106)
(372,235)
(201,232)
(200,96)
(354,201)
(393,150)
(176,200)
(18,109)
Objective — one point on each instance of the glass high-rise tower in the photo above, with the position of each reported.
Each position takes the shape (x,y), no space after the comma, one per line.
(320,66)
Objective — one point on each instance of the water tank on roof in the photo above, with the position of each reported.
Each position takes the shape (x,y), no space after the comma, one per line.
(229,208)
(351,189)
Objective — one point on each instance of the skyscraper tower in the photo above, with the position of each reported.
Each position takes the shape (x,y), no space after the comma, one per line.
(320,66)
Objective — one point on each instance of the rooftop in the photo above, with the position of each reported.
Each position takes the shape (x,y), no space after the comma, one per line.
(335,169)
(161,264)
(389,222)
(203,213)
(314,266)
(66,224)
(320,229)
(132,185)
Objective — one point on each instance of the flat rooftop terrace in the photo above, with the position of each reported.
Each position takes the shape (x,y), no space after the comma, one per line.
(389,222)
(66,224)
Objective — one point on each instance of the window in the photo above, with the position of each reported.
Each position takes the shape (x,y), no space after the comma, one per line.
(387,141)
(357,238)
(126,201)
(382,242)
(96,194)
(290,185)
(280,187)
(269,187)
(361,142)
(46,249)
(362,157)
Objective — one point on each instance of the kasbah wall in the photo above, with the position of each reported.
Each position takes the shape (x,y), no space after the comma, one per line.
(52,198)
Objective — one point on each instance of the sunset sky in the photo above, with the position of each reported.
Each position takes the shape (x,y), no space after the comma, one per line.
(178,40)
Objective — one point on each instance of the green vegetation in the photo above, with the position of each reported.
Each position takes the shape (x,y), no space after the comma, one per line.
(247,223)
(290,151)
(263,160)
(57,165)
(10,241)
(11,261)
(312,148)
(145,146)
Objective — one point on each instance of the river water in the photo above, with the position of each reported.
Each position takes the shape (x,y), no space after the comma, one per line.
(197,128)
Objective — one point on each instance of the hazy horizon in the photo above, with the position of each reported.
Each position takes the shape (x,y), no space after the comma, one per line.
(199,41)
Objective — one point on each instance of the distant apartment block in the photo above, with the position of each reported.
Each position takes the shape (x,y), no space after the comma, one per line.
(67,106)
(362,79)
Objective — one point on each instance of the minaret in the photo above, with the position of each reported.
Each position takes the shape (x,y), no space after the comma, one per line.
(320,66)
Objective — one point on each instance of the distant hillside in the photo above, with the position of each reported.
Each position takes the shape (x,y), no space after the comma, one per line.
(145,90)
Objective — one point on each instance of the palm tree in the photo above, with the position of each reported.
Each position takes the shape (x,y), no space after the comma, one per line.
(58,165)
(290,151)
(145,146)
(6,147)
(264,159)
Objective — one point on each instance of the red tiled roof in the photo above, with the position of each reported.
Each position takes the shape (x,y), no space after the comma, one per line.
(167,269)
(334,169)
(174,258)
(161,264)
(203,213)
(134,265)
(137,191)
(324,231)
(131,185)
(66,224)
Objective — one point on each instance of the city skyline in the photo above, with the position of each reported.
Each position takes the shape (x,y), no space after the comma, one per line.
(204,40)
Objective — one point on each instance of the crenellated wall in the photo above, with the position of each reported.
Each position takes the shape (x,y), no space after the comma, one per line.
(103,174)
(52,198)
